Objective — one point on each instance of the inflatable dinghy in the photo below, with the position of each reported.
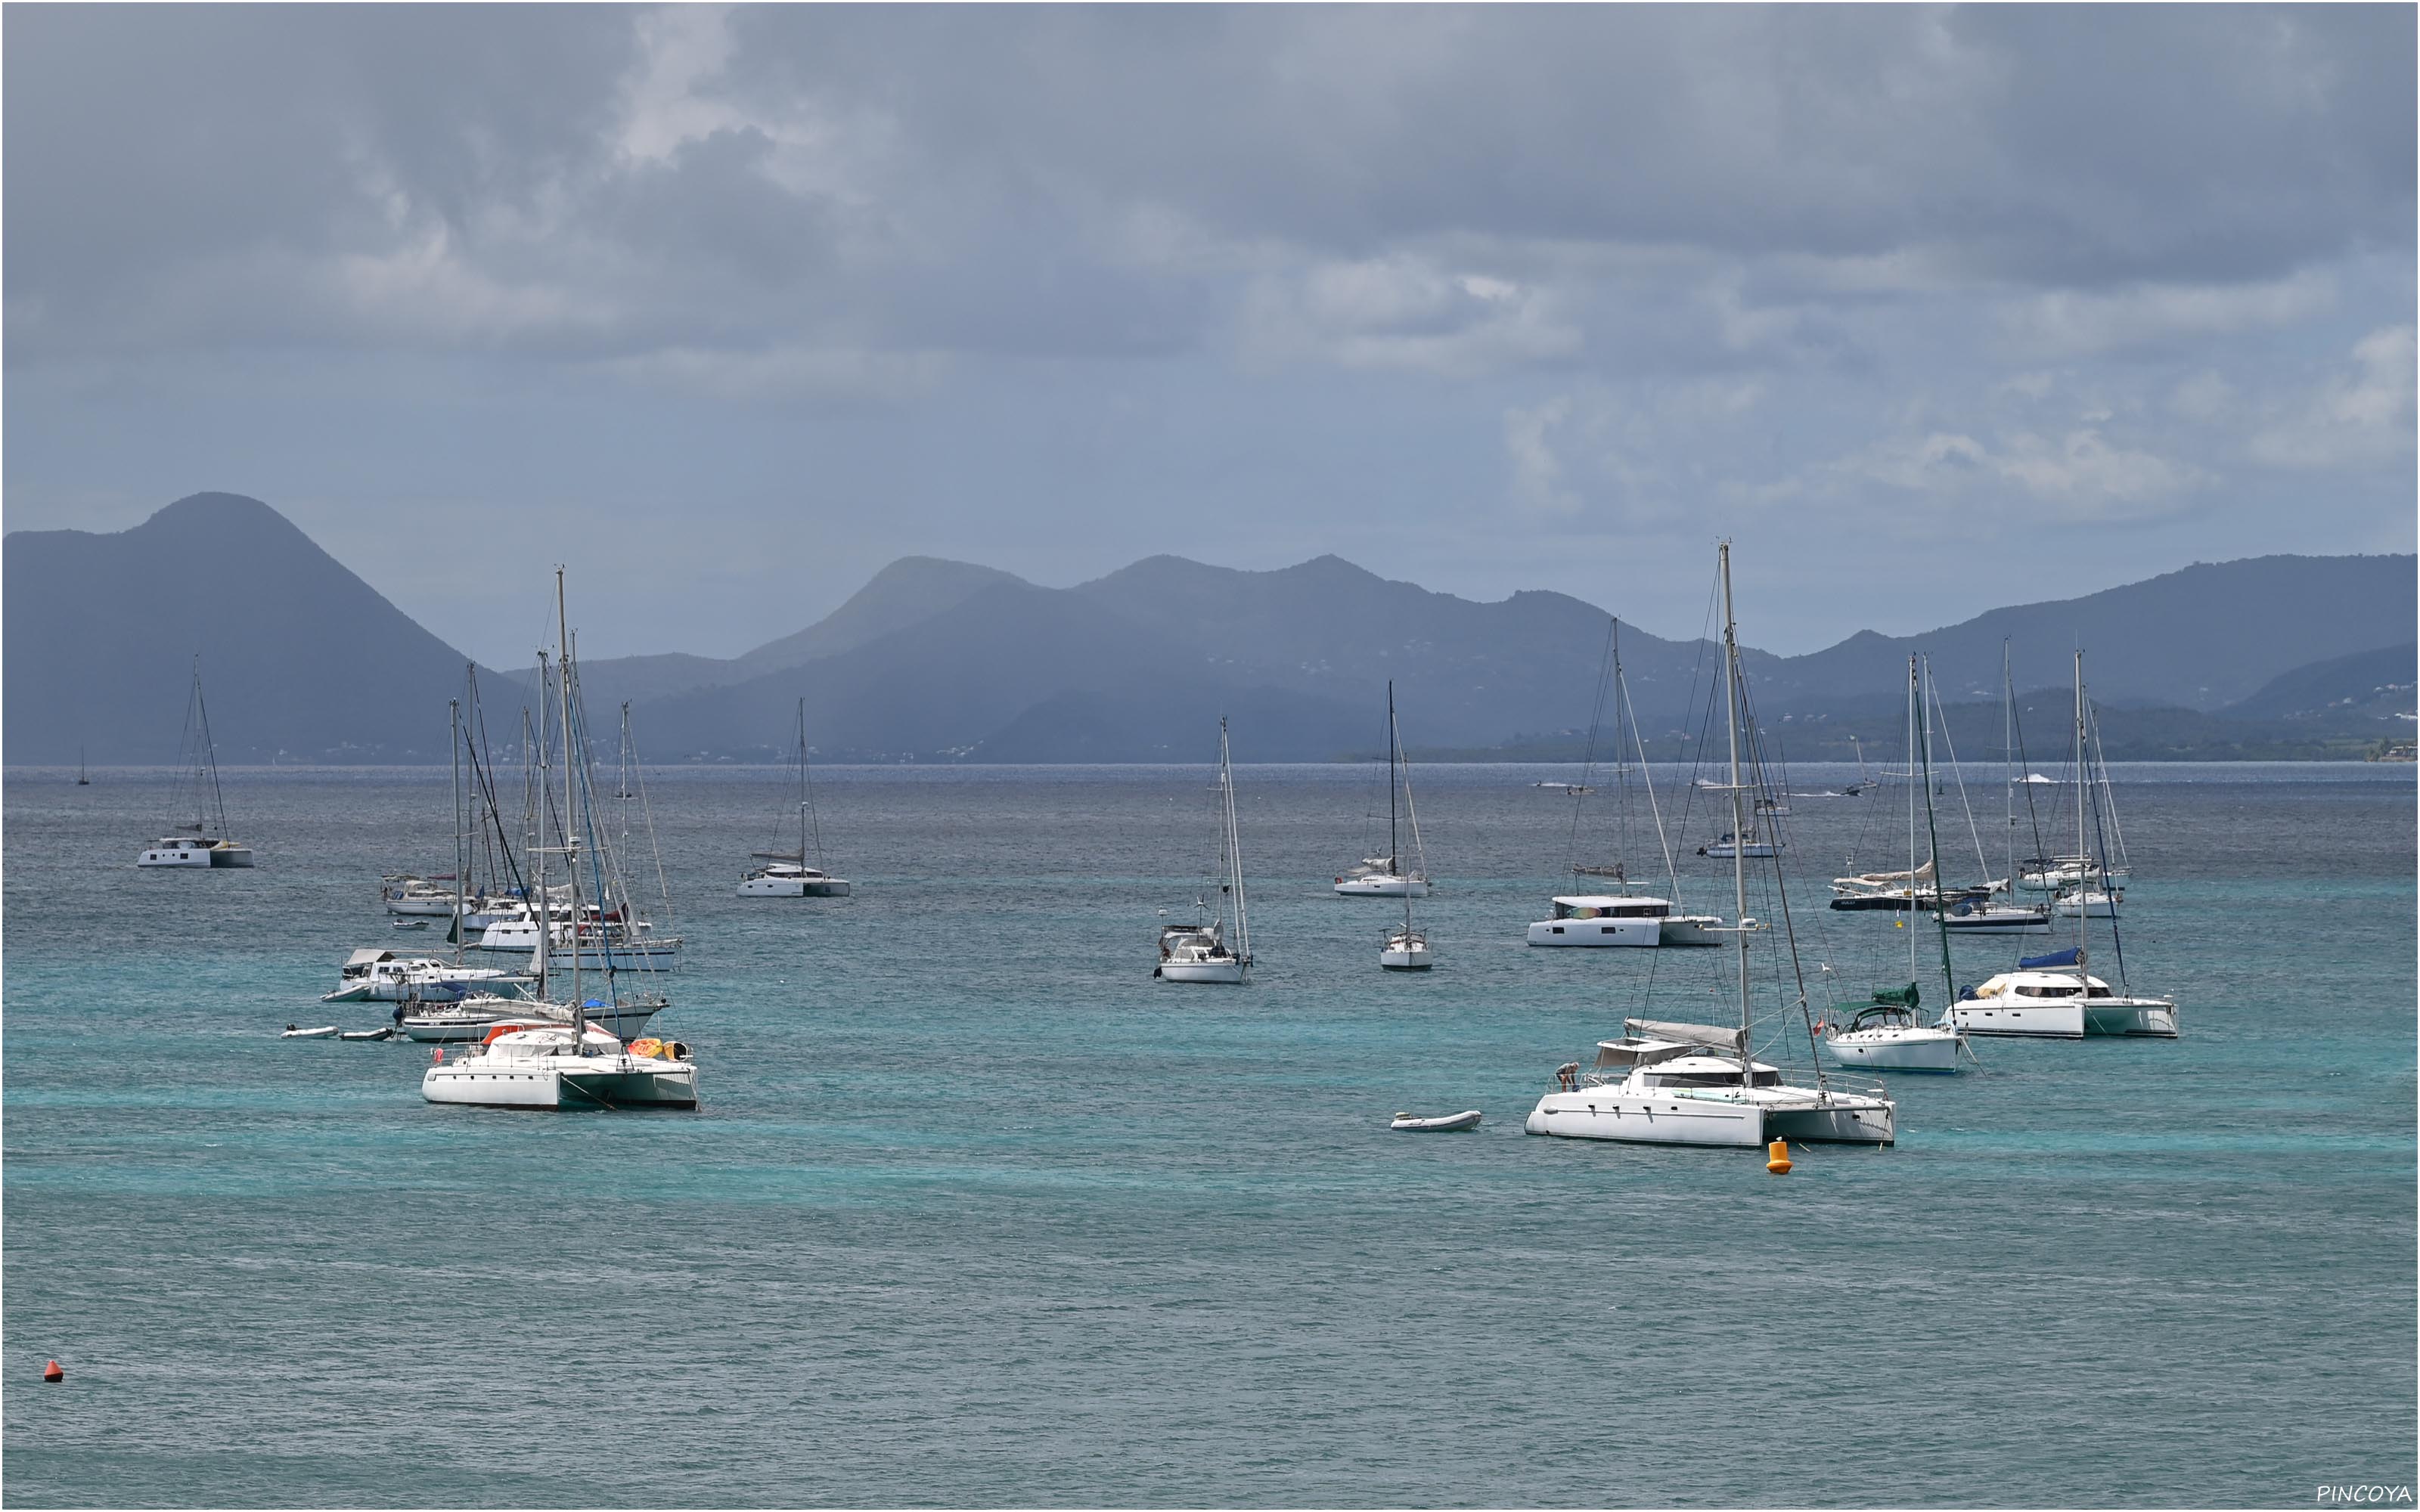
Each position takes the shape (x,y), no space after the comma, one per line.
(1450,1123)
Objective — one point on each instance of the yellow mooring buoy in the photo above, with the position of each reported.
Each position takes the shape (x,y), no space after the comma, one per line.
(1777,1157)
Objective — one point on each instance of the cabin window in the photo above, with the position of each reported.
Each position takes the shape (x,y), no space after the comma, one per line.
(1558,929)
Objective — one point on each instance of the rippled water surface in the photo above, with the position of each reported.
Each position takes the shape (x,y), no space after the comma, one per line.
(977,1212)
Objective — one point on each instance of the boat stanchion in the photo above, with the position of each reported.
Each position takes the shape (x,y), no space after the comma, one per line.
(1777,1157)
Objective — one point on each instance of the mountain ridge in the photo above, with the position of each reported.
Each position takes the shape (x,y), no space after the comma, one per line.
(937,659)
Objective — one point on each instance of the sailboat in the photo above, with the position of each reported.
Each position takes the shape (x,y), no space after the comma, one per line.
(1383,876)
(1991,913)
(2055,995)
(1692,1084)
(374,976)
(546,1062)
(1201,952)
(82,779)
(199,849)
(786,873)
(1623,917)
(1883,1032)
(1406,948)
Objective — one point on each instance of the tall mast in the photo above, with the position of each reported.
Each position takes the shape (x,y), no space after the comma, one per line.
(1395,868)
(209,755)
(1235,848)
(536,844)
(1739,851)
(571,844)
(1933,835)
(2008,762)
(1394,750)
(1914,717)
(802,786)
(453,718)
(2083,872)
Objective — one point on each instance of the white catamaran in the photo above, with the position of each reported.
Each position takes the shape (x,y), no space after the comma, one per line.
(2055,995)
(554,1057)
(1686,1084)
(786,873)
(1623,917)
(1201,952)
(205,847)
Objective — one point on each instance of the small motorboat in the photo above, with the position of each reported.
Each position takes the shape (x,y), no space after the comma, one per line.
(1450,1123)
(325,1031)
(411,923)
(383,1032)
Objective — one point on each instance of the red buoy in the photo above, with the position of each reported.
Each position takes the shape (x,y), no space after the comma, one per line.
(53,1372)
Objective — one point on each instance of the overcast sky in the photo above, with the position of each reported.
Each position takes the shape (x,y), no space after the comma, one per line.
(1931,310)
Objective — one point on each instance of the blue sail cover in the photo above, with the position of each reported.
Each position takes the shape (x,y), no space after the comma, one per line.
(2072,956)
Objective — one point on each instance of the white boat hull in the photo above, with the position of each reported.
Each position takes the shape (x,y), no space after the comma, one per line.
(1229,971)
(1896,1049)
(197,858)
(2132,1018)
(792,887)
(1413,959)
(2091,905)
(1382,886)
(1626,1117)
(1636,933)
(563,1082)
(2056,1020)
(1693,929)
(1701,1119)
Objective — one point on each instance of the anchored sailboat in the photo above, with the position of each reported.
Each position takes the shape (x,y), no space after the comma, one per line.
(1883,1032)
(1694,1083)
(552,1057)
(203,848)
(1623,917)
(2055,995)
(786,873)
(1201,952)
(1406,948)
(1383,876)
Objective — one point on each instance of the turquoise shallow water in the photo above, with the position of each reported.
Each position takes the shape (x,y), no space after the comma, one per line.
(976,1212)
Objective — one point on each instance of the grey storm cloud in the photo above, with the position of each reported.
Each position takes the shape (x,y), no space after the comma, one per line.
(601,174)
(1035,277)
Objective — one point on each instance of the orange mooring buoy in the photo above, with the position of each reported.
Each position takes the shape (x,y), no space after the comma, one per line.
(1777,1157)
(53,1372)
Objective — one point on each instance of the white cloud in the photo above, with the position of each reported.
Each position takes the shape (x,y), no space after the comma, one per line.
(2360,417)
(1403,313)
(2078,474)
(1537,471)
(2076,322)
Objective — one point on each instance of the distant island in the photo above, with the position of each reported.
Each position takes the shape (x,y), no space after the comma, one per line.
(2281,657)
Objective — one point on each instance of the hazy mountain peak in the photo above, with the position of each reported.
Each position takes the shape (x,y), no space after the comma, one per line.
(907,591)
(214,509)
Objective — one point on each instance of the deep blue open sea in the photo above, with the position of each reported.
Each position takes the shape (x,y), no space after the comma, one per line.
(976,1212)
